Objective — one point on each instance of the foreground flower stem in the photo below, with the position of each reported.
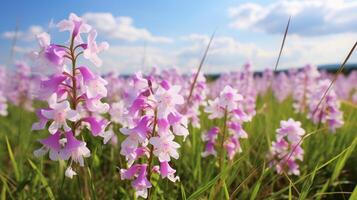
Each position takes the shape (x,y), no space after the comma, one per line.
(221,182)
(74,102)
(74,82)
(152,152)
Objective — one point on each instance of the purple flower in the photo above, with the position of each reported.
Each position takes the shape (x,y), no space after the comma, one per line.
(49,53)
(59,113)
(42,121)
(96,105)
(50,144)
(290,129)
(141,183)
(229,98)
(229,106)
(74,149)
(140,131)
(70,173)
(96,126)
(3,105)
(73,95)
(93,49)
(286,150)
(165,147)
(128,174)
(328,111)
(179,124)
(232,146)
(55,54)
(167,100)
(75,25)
(237,129)
(93,85)
(51,85)
(167,171)
(209,149)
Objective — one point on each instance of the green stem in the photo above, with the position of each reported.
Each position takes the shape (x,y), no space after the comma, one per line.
(221,182)
(152,152)
(74,103)
(74,81)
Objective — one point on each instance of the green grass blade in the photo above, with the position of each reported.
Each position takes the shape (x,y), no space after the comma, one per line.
(183,193)
(342,160)
(212,182)
(205,187)
(43,180)
(225,190)
(7,189)
(257,185)
(354,194)
(307,185)
(324,188)
(3,190)
(13,161)
(92,187)
(290,193)
(318,169)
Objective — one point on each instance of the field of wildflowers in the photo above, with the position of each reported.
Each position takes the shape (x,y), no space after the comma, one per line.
(75,134)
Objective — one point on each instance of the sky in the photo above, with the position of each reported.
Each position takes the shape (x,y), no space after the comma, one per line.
(164,34)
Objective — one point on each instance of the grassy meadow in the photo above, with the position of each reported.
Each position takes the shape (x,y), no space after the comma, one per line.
(328,171)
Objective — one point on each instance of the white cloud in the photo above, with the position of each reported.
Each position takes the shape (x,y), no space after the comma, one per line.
(23,49)
(129,59)
(326,49)
(225,54)
(309,17)
(28,35)
(121,28)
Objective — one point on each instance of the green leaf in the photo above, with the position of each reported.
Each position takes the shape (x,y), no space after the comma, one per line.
(43,180)
(183,193)
(275,194)
(290,193)
(258,184)
(3,190)
(354,194)
(342,160)
(13,161)
(307,185)
(225,190)
(210,183)
(92,187)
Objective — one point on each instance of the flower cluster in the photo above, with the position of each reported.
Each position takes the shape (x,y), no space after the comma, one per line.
(3,105)
(3,100)
(281,86)
(245,82)
(74,95)
(194,90)
(265,81)
(325,107)
(210,138)
(153,122)
(21,86)
(196,95)
(286,149)
(303,87)
(229,107)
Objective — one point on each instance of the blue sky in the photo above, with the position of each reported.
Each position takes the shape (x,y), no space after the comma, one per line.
(174,33)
